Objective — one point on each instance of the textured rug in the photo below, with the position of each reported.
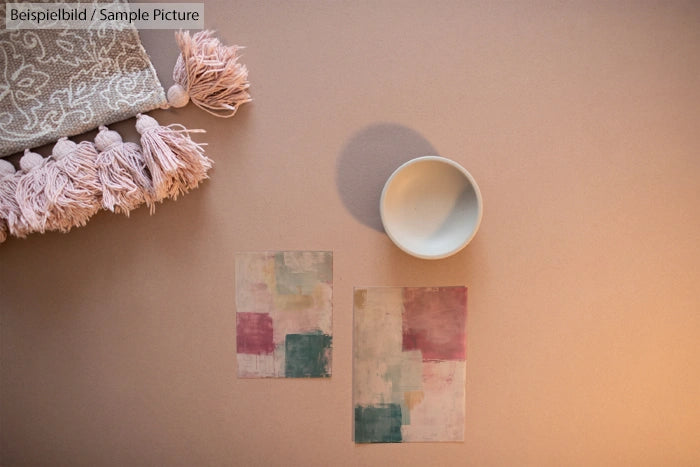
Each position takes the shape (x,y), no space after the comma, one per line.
(56,83)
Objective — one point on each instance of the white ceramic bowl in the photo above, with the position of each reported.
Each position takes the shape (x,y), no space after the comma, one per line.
(431,207)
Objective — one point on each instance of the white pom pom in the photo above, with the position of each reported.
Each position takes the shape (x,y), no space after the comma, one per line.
(177,96)
(62,148)
(106,138)
(144,122)
(30,160)
(6,168)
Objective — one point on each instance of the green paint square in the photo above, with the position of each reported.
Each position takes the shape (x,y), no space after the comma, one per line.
(307,355)
(378,423)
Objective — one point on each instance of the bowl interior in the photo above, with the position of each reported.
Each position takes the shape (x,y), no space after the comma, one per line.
(431,207)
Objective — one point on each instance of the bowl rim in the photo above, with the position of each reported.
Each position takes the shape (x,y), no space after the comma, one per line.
(470,179)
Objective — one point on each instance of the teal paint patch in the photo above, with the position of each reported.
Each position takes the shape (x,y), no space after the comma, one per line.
(307,355)
(302,280)
(378,423)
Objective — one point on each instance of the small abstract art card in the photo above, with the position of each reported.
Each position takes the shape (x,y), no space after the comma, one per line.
(409,364)
(284,314)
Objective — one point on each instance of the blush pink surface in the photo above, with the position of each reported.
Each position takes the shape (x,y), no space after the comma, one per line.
(579,122)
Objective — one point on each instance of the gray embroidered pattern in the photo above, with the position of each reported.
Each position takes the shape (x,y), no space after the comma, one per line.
(57,83)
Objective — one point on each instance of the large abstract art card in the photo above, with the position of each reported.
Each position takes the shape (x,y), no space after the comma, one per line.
(284,314)
(409,364)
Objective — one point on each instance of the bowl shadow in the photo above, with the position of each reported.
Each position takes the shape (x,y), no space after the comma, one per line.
(368,159)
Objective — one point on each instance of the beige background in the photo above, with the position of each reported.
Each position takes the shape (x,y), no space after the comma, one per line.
(578,119)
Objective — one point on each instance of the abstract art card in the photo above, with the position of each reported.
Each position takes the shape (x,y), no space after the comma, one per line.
(409,364)
(284,314)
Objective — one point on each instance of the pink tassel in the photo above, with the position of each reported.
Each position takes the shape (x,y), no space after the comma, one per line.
(208,73)
(8,205)
(121,170)
(61,192)
(37,189)
(10,211)
(176,163)
(77,199)
(80,162)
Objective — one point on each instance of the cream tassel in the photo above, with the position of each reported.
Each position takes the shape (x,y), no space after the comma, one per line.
(208,73)
(176,163)
(121,170)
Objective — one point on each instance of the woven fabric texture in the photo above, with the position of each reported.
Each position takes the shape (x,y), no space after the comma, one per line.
(57,83)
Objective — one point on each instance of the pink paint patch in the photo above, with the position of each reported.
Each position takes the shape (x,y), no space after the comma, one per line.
(434,322)
(254,333)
